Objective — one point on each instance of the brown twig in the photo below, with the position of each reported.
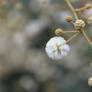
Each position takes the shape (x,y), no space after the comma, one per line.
(72,37)
(72,8)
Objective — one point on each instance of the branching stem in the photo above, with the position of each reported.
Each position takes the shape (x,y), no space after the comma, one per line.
(87,38)
(72,37)
(71,31)
(72,8)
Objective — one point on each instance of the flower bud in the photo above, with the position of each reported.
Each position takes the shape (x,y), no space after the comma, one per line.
(58,31)
(90,81)
(68,18)
(88,6)
(79,24)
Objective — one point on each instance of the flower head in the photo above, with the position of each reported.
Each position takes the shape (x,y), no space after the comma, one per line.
(56,48)
(79,24)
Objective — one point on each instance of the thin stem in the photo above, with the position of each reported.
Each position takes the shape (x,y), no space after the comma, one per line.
(73,31)
(87,38)
(87,6)
(72,8)
(72,37)
(81,9)
(72,22)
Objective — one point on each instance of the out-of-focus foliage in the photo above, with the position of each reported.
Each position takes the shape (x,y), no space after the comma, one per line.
(25,27)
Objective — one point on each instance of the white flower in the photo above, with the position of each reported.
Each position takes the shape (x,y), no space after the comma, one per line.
(56,48)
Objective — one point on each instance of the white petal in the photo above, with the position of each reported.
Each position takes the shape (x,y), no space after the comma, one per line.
(66,47)
(64,53)
(51,48)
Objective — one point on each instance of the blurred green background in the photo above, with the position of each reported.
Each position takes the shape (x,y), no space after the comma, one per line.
(25,28)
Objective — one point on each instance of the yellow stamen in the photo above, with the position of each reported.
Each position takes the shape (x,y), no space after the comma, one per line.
(58,48)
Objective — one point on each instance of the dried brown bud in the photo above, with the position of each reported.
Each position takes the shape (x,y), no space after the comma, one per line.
(90,81)
(88,6)
(58,31)
(79,24)
(68,18)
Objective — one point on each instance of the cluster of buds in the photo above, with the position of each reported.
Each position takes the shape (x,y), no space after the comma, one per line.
(78,23)
(55,46)
(80,10)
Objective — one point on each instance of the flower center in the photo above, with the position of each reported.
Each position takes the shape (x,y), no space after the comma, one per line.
(58,48)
